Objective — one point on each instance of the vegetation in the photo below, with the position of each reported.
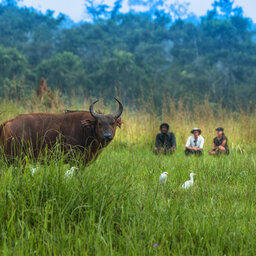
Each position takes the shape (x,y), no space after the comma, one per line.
(165,66)
(115,206)
(134,54)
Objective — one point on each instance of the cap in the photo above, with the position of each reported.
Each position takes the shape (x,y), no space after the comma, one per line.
(220,129)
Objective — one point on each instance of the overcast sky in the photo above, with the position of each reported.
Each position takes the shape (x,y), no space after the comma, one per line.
(76,11)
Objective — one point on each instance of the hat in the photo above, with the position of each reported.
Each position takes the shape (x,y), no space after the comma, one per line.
(196,129)
(220,129)
(164,124)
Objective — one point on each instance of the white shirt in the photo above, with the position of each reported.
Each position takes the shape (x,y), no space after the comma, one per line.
(191,142)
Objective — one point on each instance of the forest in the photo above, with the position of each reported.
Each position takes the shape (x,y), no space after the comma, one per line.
(132,55)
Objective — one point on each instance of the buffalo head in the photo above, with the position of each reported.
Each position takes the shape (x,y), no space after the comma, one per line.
(105,125)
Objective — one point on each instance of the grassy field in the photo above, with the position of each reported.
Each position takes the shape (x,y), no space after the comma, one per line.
(115,206)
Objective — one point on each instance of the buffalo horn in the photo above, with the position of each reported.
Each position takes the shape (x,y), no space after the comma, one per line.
(116,114)
(119,111)
(93,113)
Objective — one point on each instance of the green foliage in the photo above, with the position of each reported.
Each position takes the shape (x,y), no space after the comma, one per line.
(118,71)
(116,206)
(32,33)
(13,71)
(138,53)
(13,64)
(64,71)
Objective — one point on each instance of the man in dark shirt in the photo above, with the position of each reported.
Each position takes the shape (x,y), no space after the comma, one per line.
(165,141)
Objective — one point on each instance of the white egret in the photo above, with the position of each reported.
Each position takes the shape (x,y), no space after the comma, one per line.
(163,178)
(71,171)
(33,170)
(189,183)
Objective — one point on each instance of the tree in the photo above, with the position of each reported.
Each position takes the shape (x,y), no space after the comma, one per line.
(32,33)
(63,71)
(120,72)
(116,8)
(13,71)
(225,9)
(10,2)
(157,49)
(12,63)
(96,11)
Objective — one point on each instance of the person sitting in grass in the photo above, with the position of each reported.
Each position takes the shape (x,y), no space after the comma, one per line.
(165,141)
(195,143)
(220,143)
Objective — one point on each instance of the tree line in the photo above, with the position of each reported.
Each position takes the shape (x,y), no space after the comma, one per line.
(149,54)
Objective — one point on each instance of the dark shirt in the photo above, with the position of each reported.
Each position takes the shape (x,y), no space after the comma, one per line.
(165,140)
(219,142)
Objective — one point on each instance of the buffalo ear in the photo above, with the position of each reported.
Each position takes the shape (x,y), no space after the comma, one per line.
(119,122)
(87,122)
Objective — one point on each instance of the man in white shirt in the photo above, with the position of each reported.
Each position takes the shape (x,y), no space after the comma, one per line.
(195,143)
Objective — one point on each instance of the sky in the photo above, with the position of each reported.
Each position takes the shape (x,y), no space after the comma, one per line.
(76,11)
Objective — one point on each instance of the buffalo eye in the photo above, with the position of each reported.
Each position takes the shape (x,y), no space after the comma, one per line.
(112,123)
(99,124)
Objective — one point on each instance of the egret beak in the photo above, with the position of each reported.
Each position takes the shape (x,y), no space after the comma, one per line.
(169,174)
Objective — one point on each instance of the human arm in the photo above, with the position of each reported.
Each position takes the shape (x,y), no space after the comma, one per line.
(173,141)
(201,146)
(188,144)
(214,146)
(194,148)
(224,142)
(158,142)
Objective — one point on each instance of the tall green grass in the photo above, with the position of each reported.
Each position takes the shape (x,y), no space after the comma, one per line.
(115,206)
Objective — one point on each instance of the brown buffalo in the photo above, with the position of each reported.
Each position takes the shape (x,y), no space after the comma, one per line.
(87,131)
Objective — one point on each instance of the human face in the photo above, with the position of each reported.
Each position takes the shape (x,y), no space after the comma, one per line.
(164,129)
(196,134)
(219,133)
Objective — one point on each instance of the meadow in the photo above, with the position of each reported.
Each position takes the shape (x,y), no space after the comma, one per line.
(115,206)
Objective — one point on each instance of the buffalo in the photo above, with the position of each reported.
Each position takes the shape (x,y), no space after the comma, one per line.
(86,131)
